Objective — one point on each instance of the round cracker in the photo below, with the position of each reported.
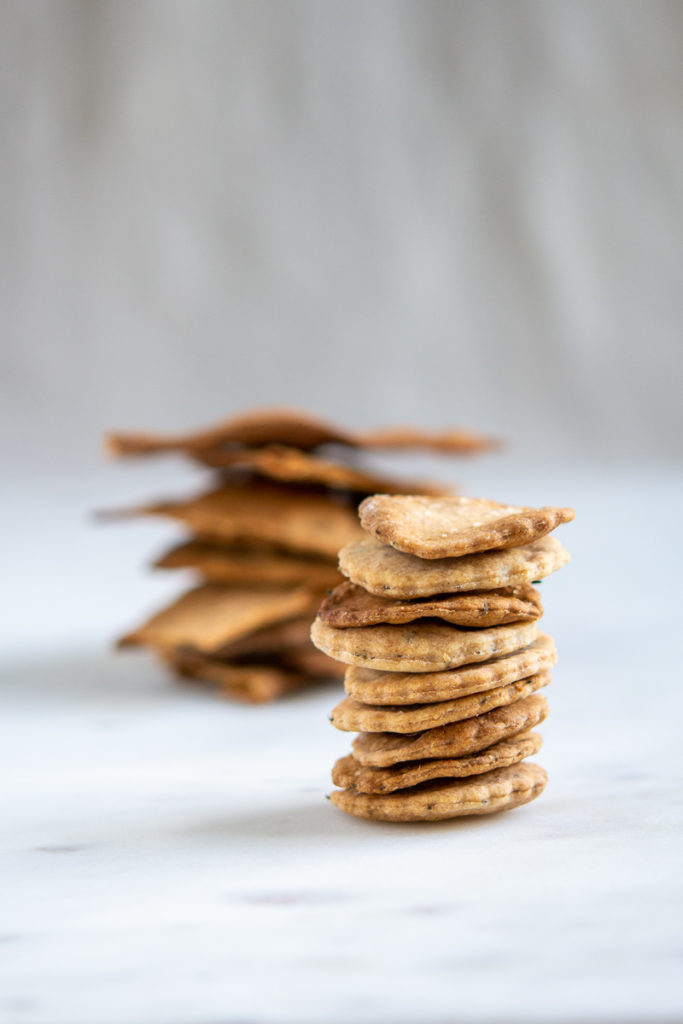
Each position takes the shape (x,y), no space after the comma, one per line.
(351,774)
(380,749)
(349,605)
(352,716)
(420,646)
(498,790)
(374,687)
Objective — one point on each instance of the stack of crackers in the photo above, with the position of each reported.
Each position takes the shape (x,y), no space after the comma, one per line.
(439,625)
(263,543)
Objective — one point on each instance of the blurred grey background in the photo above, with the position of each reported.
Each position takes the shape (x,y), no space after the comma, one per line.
(435,212)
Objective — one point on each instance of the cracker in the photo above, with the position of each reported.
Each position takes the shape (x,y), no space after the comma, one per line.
(372,687)
(380,749)
(389,573)
(449,527)
(291,465)
(351,606)
(211,617)
(255,684)
(420,646)
(266,513)
(498,790)
(350,774)
(455,441)
(253,566)
(258,427)
(352,716)
(290,427)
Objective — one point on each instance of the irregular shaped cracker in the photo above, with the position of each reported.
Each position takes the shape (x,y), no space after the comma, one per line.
(420,646)
(260,426)
(389,573)
(210,617)
(498,790)
(265,513)
(350,774)
(379,749)
(291,427)
(352,716)
(453,441)
(245,565)
(372,687)
(291,465)
(351,606)
(255,684)
(450,527)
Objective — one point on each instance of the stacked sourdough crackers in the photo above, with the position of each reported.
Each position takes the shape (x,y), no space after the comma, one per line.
(438,624)
(262,541)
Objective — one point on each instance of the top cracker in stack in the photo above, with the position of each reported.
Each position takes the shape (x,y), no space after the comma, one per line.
(438,625)
(263,541)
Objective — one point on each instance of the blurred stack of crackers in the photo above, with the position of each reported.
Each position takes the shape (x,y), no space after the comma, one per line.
(263,540)
(438,625)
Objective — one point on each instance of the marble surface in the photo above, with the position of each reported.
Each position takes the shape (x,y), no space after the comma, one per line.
(168,857)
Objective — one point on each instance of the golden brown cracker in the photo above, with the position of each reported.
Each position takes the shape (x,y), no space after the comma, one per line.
(291,465)
(449,527)
(497,790)
(250,565)
(256,427)
(350,606)
(386,572)
(210,617)
(265,513)
(253,683)
(378,750)
(352,716)
(350,773)
(420,646)
(372,687)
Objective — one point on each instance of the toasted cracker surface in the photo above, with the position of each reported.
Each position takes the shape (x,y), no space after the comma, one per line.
(351,606)
(267,513)
(382,570)
(497,790)
(370,686)
(350,773)
(257,566)
(210,617)
(291,465)
(352,716)
(385,748)
(449,527)
(420,646)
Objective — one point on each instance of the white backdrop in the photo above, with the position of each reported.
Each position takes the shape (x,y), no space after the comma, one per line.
(428,211)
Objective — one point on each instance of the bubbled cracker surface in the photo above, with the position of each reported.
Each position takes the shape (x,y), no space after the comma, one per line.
(449,527)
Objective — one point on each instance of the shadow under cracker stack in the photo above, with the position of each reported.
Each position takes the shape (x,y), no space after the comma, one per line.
(262,542)
(438,627)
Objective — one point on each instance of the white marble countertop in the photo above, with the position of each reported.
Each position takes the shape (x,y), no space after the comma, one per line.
(168,857)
